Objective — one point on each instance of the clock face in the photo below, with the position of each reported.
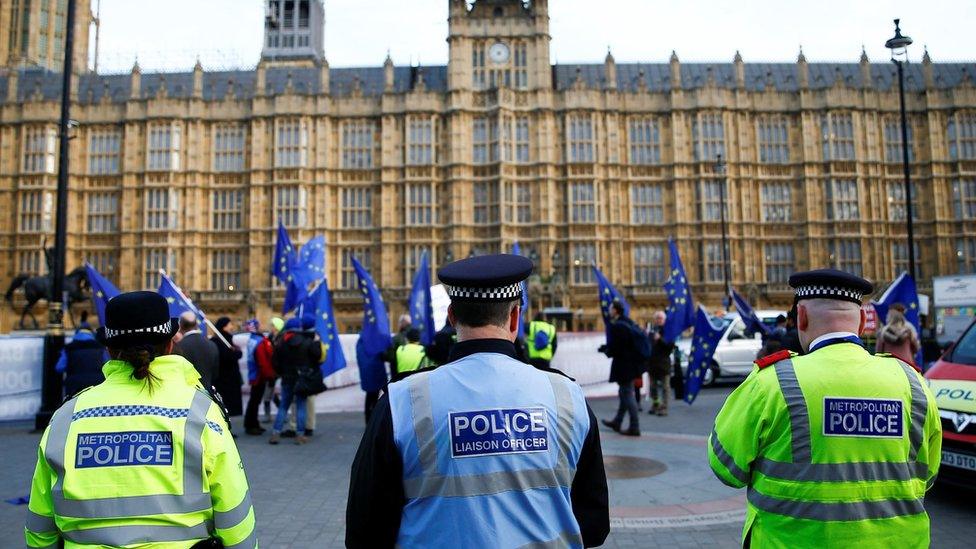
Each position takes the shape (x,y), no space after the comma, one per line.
(498,53)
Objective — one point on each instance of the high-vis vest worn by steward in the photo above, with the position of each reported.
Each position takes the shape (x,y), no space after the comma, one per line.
(837,449)
(409,357)
(550,330)
(120,466)
(489,448)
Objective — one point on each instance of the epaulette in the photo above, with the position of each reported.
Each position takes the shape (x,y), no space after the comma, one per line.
(769,360)
(216,398)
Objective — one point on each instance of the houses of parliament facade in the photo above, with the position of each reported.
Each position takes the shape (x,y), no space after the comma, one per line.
(580,164)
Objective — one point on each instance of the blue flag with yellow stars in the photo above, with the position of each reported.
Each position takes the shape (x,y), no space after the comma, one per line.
(284,256)
(310,266)
(375,334)
(421,304)
(608,294)
(681,309)
(903,291)
(102,290)
(296,294)
(749,317)
(517,250)
(703,343)
(325,326)
(179,303)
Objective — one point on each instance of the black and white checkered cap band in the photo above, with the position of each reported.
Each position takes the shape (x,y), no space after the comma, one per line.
(504,293)
(828,292)
(161,329)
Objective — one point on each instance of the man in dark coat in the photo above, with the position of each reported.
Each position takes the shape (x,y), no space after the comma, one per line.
(199,351)
(444,340)
(229,380)
(660,366)
(627,365)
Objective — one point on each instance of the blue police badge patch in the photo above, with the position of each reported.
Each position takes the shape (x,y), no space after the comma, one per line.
(495,432)
(863,417)
(124,449)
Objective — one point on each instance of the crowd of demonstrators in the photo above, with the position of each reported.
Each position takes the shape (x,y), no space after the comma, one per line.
(898,337)
(627,364)
(81,360)
(659,366)
(260,372)
(202,353)
(297,355)
(145,384)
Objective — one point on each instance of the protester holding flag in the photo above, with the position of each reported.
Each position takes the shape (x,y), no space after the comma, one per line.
(627,365)
(898,338)
(681,308)
(704,341)
(421,303)
(659,366)
(374,339)
(296,353)
(202,353)
(901,296)
(229,380)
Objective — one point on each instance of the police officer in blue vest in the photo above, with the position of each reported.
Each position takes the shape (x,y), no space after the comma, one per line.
(484,451)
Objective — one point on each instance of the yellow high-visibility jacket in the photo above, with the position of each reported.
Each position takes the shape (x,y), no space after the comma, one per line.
(540,326)
(126,465)
(837,449)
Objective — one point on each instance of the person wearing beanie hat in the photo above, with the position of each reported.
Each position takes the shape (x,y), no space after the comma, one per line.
(152,459)
(260,372)
(277,325)
(297,355)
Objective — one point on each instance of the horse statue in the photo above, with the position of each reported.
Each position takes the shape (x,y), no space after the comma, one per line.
(37,288)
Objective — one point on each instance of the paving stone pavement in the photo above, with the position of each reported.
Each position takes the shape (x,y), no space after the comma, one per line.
(299,492)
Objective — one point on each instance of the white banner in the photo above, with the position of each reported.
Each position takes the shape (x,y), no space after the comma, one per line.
(20,377)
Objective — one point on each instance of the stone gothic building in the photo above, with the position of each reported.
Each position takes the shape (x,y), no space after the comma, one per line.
(581,164)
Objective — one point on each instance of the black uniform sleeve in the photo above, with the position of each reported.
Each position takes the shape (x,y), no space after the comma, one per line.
(376,496)
(589,494)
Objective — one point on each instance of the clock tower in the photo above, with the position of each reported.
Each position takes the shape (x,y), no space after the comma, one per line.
(499,43)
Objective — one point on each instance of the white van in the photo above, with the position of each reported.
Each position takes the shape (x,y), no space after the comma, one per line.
(736,351)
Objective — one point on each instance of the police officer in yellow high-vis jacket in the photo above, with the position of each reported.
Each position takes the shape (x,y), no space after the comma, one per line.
(146,458)
(541,343)
(837,447)
(410,356)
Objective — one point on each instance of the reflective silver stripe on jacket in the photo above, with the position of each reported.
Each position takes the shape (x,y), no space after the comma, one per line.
(192,500)
(842,472)
(725,459)
(432,484)
(920,405)
(229,519)
(249,542)
(118,536)
(565,539)
(797,406)
(40,524)
(836,511)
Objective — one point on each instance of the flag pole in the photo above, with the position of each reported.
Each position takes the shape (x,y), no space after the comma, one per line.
(206,320)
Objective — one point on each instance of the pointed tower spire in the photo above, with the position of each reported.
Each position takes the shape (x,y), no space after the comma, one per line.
(675,71)
(135,81)
(802,70)
(324,77)
(198,79)
(927,72)
(865,69)
(610,70)
(388,74)
(740,71)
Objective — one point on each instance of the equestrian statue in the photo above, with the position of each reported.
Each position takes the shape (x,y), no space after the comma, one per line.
(37,288)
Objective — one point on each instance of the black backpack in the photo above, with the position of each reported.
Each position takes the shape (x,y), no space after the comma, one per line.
(639,340)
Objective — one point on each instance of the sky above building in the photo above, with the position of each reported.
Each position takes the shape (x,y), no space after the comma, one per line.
(171,35)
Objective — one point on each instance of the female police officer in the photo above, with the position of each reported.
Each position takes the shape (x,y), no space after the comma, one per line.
(146,456)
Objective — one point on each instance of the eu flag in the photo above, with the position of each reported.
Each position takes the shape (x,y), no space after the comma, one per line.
(681,310)
(295,294)
(325,326)
(903,291)
(421,304)
(749,316)
(608,294)
(284,256)
(375,334)
(372,368)
(179,303)
(102,290)
(703,343)
(517,250)
(310,266)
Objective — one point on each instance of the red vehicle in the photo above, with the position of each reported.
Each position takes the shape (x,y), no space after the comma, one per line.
(953,382)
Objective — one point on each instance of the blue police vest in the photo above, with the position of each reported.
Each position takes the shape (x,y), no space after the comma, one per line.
(489,448)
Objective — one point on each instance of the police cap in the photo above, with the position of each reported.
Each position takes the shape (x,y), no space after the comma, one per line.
(830,284)
(486,278)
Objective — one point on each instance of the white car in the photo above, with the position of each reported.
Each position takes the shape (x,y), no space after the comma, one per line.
(737,349)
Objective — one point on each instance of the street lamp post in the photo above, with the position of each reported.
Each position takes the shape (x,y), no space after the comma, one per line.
(899,56)
(54,338)
(720,169)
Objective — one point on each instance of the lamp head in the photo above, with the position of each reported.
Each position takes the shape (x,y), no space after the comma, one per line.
(898,44)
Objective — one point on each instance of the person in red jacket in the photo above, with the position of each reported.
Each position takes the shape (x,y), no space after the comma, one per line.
(260,371)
